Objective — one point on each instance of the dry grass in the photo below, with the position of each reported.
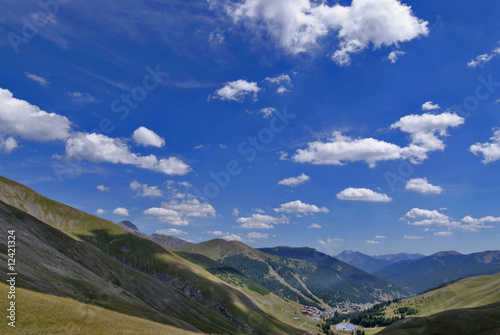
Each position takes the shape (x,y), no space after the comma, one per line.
(39,313)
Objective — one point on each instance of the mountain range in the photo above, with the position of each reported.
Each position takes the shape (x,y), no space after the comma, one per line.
(425,273)
(372,264)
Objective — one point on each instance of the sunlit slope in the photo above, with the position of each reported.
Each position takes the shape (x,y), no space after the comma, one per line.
(465,293)
(39,313)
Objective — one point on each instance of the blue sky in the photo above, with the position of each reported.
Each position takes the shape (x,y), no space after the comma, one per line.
(369,125)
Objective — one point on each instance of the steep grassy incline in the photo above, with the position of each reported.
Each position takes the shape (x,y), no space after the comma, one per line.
(47,314)
(465,293)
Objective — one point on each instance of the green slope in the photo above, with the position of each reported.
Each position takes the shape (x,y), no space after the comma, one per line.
(465,293)
(420,275)
(39,313)
(94,260)
(310,283)
(482,320)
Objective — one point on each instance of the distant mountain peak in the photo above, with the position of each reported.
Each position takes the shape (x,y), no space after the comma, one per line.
(129,225)
(447,253)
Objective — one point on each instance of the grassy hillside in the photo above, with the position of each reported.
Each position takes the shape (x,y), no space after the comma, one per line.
(94,260)
(482,320)
(311,283)
(420,275)
(39,313)
(465,293)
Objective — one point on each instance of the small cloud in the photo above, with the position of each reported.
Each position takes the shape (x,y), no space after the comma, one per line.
(145,137)
(42,81)
(144,190)
(421,185)
(103,188)
(363,194)
(331,241)
(216,232)
(372,242)
(232,237)
(235,212)
(294,181)
(443,233)
(429,106)
(81,98)
(216,37)
(314,226)
(121,211)
(283,155)
(489,150)
(394,56)
(237,90)
(268,112)
(170,231)
(299,208)
(100,211)
(260,221)
(8,144)
(484,58)
(222,146)
(201,146)
(283,81)
(413,237)
(380,237)
(257,235)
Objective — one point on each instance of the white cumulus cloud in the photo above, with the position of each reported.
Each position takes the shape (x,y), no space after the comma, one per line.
(237,90)
(98,148)
(341,149)
(260,221)
(425,131)
(429,106)
(171,231)
(423,217)
(372,242)
(394,56)
(294,181)
(103,188)
(145,137)
(144,190)
(167,215)
(489,150)
(363,194)
(297,207)
(8,144)
(421,185)
(300,25)
(121,211)
(20,118)
(100,211)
